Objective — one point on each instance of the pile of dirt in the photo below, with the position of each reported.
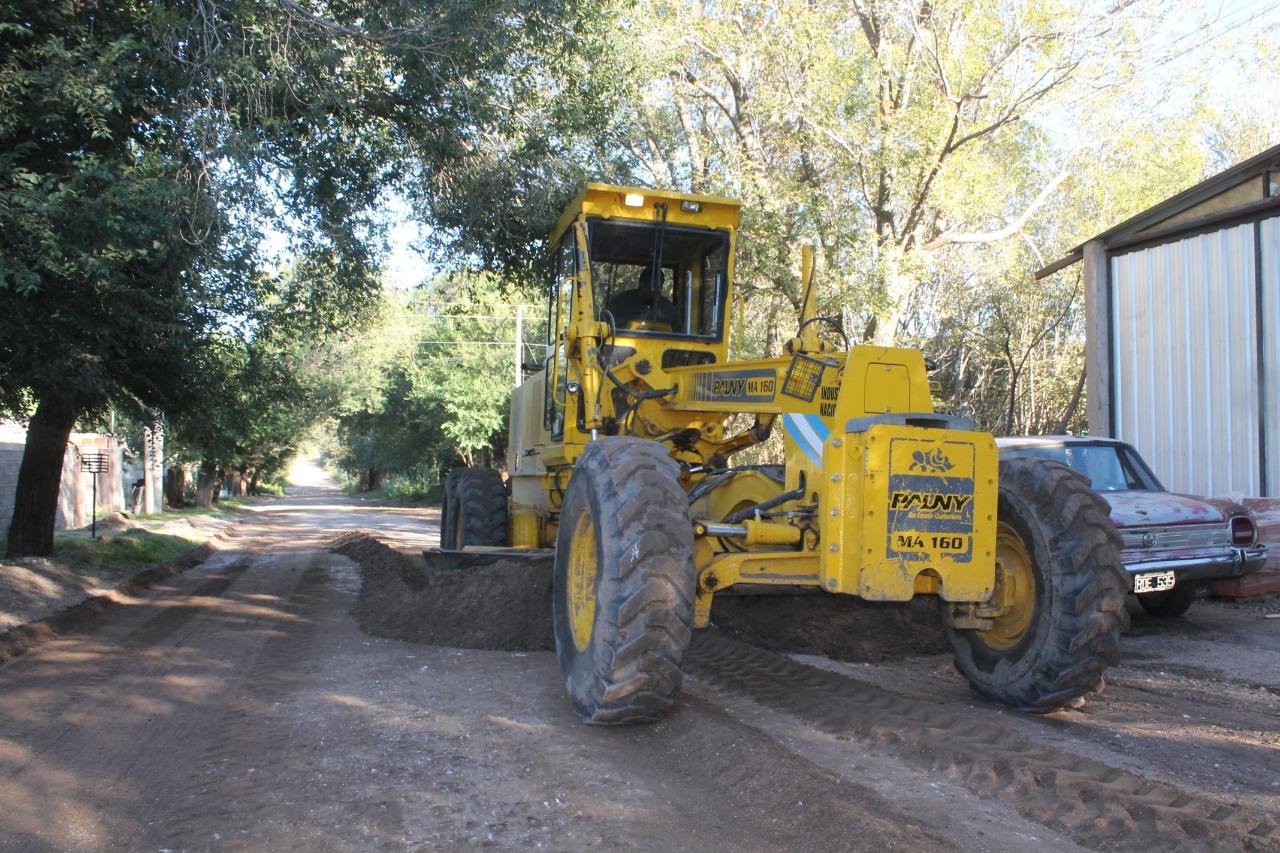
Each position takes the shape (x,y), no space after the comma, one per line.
(505,604)
(837,626)
(34,587)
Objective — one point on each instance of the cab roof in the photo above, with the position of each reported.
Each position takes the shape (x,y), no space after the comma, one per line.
(610,200)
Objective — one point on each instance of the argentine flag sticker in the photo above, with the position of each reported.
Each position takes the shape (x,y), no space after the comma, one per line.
(809,433)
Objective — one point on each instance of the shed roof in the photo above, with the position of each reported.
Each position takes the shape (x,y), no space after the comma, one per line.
(1154,222)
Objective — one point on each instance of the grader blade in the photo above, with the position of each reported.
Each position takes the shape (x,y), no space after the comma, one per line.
(447,560)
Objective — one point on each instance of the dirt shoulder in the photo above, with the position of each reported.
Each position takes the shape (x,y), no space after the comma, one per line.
(125,553)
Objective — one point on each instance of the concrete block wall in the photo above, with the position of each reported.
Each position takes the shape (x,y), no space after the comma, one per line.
(10,460)
(75,495)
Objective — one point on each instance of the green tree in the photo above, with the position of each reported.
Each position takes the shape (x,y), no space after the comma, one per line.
(439,393)
(96,283)
(891,133)
(143,147)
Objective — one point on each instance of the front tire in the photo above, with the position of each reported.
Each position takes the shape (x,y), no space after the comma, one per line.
(1058,569)
(624,582)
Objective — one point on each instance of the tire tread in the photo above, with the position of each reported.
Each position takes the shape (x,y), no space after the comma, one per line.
(646,600)
(1089,586)
(479,498)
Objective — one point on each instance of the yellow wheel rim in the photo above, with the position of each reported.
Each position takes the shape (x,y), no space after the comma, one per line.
(582,581)
(1015,591)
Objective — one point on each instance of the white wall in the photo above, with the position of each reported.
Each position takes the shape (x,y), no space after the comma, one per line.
(75,493)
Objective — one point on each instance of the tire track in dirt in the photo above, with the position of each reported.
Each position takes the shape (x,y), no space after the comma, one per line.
(100,763)
(1097,805)
(120,655)
(237,779)
(20,639)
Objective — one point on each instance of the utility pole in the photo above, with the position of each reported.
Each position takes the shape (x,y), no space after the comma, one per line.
(519,345)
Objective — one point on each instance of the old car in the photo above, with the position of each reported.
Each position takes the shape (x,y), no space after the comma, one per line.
(1173,544)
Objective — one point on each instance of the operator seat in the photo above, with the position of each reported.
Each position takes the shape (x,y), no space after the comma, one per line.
(639,308)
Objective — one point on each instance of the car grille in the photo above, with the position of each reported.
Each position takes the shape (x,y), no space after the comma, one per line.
(1176,536)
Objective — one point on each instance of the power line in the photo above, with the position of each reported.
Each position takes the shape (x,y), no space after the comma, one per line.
(448,304)
(483,317)
(484,343)
(1227,24)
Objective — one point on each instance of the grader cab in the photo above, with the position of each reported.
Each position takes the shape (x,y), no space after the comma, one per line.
(621,459)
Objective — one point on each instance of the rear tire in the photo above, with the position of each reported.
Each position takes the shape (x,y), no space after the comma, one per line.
(1053,650)
(624,582)
(1167,604)
(476,509)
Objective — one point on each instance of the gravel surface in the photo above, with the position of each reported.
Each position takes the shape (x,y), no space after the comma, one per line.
(239,706)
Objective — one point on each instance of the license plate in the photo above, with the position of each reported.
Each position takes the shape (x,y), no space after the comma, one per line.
(1153,582)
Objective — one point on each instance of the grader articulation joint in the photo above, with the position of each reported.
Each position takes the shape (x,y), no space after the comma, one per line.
(621,459)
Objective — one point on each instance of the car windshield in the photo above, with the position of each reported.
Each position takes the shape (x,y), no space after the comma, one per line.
(1110,466)
(668,281)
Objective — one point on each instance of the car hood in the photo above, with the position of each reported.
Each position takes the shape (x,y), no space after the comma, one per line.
(1141,509)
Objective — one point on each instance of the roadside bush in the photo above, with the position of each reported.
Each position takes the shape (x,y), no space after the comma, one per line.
(416,485)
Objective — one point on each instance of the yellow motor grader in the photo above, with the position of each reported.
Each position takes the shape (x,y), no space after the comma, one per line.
(621,458)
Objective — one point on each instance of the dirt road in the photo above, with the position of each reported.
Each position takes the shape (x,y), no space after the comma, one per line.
(239,707)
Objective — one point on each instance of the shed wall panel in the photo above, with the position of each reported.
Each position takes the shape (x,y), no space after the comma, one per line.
(1185,360)
(1269,231)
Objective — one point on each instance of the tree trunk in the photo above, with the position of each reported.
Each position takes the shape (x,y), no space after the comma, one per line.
(1069,413)
(898,287)
(206,485)
(373,479)
(235,483)
(1011,405)
(175,483)
(35,500)
(772,333)
(253,483)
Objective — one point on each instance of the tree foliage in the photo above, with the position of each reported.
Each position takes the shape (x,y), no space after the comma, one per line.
(145,148)
(433,392)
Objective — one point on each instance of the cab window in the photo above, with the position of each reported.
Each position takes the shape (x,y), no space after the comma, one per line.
(564,267)
(656,279)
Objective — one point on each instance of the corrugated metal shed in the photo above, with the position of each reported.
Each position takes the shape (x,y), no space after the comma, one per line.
(1185,360)
(1183,332)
